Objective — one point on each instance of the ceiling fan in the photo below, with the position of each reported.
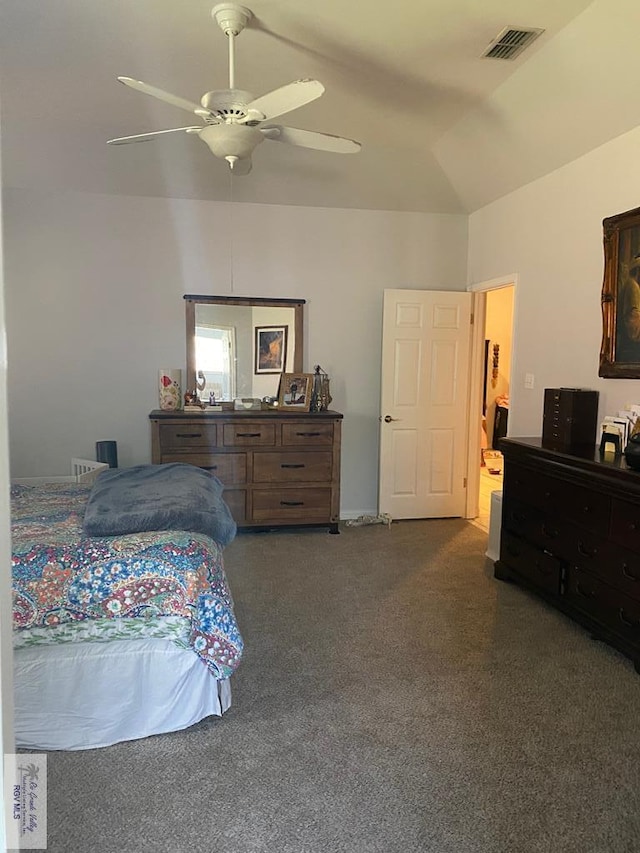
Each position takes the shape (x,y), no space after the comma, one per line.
(235,122)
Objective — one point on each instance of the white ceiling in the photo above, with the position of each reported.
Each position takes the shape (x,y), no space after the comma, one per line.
(442,130)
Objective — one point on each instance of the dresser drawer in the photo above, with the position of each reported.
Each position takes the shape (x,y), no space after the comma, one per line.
(616,566)
(229,468)
(539,567)
(588,552)
(522,519)
(249,434)
(522,484)
(307,434)
(187,436)
(556,497)
(308,467)
(290,504)
(586,507)
(604,603)
(625,524)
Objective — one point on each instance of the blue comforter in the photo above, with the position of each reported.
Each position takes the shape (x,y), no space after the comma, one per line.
(158,497)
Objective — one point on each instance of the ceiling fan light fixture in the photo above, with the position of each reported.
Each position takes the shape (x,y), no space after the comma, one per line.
(231,140)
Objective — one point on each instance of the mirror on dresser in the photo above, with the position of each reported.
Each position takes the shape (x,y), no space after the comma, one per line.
(226,340)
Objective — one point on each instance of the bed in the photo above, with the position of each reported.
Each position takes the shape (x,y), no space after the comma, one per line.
(120,636)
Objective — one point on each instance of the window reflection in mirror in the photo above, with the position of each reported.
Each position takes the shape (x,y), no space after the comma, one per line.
(222,336)
(215,357)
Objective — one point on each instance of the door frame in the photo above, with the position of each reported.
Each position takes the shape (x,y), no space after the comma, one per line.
(479,308)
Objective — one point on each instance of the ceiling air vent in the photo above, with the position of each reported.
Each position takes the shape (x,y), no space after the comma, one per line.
(511,42)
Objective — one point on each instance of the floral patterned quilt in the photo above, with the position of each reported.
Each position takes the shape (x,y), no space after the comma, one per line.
(170,582)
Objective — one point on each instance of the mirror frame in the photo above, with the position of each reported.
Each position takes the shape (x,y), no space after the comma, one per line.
(191,300)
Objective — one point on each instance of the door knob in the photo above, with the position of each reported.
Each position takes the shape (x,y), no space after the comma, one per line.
(388,419)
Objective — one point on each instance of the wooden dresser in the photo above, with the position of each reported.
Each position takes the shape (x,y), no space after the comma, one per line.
(571,533)
(277,469)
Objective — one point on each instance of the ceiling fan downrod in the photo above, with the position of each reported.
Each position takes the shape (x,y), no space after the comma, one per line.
(231,19)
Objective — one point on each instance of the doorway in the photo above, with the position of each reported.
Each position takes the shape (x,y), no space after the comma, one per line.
(495,341)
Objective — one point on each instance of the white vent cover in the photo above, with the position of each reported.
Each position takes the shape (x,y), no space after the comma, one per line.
(511,42)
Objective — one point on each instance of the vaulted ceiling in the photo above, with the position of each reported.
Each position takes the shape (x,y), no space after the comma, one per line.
(442,129)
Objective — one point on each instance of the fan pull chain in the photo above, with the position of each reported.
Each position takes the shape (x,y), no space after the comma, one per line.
(231,226)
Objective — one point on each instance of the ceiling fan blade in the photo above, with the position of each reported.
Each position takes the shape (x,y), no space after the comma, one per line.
(144,137)
(167,97)
(285,99)
(311,139)
(242,166)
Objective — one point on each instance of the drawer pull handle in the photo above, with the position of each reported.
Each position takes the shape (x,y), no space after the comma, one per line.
(248,434)
(627,573)
(633,525)
(291,503)
(188,435)
(583,594)
(624,620)
(585,552)
(308,434)
(549,532)
(587,508)
(292,465)
(518,516)
(210,467)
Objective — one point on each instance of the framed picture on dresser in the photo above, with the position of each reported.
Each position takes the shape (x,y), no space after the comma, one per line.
(620,348)
(295,392)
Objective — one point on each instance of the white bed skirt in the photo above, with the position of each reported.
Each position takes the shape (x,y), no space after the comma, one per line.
(88,695)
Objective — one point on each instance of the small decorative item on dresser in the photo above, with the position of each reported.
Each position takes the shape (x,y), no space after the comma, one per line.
(169,389)
(320,396)
(295,392)
(632,452)
(570,419)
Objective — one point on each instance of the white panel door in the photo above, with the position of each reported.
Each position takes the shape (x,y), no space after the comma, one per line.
(424,402)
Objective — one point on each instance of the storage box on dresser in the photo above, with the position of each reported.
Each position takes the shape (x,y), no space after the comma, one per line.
(569,419)
(277,468)
(571,533)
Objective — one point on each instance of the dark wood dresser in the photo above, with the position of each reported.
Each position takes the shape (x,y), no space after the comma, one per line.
(277,469)
(571,533)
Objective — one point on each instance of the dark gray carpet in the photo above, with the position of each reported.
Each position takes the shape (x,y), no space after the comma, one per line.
(393,697)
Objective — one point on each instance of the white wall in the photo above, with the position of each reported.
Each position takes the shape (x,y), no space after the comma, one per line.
(94,288)
(550,234)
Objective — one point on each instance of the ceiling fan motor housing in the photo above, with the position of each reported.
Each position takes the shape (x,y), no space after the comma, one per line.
(231,140)
(227,103)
